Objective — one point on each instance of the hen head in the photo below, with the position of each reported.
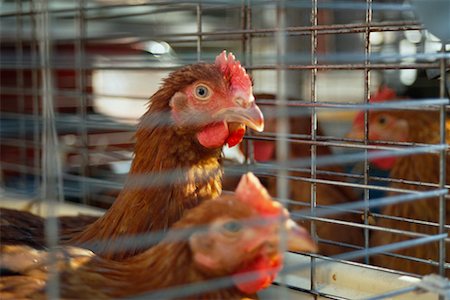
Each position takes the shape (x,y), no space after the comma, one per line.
(386,126)
(243,239)
(383,126)
(215,101)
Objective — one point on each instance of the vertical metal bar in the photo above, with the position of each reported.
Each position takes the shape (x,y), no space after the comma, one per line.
(50,164)
(80,59)
(36,92)
(20,97)
(282,113)
(199,31)
(246,14)
(366,122)
(283,129)
(313,201)
(442,163)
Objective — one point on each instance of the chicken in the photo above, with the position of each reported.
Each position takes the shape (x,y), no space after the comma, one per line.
(417,127)
(177,162)
(239,235)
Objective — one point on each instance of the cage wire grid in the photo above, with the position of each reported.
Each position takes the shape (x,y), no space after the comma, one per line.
(36,59)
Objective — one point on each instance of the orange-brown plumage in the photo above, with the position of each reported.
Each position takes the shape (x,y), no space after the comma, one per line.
(177,162)
(417,127)
(223,249)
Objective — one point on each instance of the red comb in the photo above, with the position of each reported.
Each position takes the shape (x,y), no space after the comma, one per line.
(383,94)
(252,192)
(233,71)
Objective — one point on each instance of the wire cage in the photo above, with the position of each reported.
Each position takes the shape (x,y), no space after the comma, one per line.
(77,75)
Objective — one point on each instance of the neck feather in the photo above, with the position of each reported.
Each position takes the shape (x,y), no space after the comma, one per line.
(171,172)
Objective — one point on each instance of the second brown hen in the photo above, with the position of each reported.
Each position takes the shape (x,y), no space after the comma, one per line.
(417,127)
(242,237)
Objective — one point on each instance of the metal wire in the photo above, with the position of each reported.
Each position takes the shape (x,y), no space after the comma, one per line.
(51,170)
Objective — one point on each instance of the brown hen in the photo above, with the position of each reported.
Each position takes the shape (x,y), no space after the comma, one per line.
(417,127)
(177,162)
(230,244)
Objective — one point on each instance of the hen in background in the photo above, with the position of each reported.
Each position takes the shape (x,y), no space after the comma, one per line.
(417,127)
(177,164)
(239,235)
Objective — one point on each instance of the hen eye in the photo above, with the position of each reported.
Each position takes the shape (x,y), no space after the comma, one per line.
(202,92)
(382,120)
(232,226)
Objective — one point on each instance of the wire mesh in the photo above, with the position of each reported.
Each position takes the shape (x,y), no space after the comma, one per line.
(76,76)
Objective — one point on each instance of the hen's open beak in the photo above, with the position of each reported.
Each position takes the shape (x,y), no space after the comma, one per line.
(298,239)
(250,116)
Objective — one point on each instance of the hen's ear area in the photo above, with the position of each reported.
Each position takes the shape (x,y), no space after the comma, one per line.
(403,130)
(178,103)
(253,193)
(201,246)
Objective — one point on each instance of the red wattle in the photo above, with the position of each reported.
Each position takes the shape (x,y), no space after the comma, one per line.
(384,163)
(213,135)
(265,270)
(235,137)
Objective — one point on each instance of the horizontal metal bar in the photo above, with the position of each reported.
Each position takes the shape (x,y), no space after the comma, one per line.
(291,31)
(306,203)
(111,66)
(307,30)
(371,251)
(358,225)
(404,257)
(93,122)
(341,142)
(346,176)
(330,160)
(346,184)
(380,66)
(431,103)
(391,104)
(138,63)
(409,220)
(124,39)
(379,202)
